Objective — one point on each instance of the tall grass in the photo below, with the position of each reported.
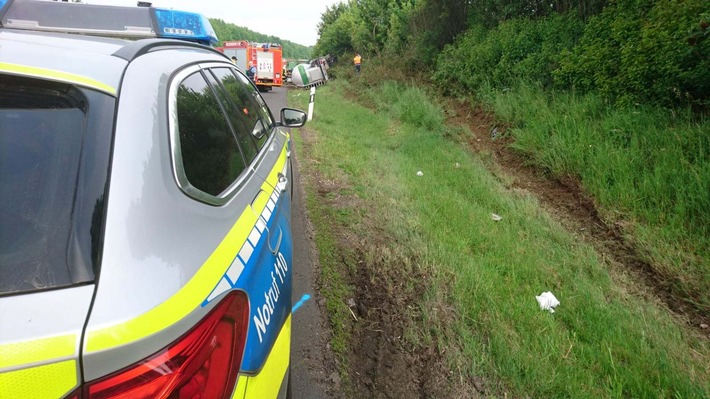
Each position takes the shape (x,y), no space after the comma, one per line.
(650,165)
(409,105)
(603,341)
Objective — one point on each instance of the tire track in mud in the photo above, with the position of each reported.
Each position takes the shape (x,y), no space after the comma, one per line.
(381,364)
(568,202)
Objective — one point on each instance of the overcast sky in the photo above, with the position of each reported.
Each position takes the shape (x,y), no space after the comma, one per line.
(294,20)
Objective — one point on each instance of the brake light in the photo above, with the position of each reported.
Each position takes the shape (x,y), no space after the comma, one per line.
(203,363)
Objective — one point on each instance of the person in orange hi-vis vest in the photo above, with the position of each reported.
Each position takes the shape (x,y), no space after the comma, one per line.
(357,61)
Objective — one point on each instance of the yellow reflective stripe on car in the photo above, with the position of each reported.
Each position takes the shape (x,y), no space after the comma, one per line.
(267,383)
(39,350)
(273,178)
(59,76)
(47,381)
(241,389)
(193,293)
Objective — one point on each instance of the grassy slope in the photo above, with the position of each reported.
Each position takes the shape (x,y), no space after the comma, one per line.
(650,165)
(602,342)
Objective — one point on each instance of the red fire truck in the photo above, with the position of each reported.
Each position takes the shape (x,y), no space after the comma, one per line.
(266,57)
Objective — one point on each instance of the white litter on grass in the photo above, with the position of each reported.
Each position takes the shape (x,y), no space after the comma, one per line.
(547,301)
(420,173)
(496,217)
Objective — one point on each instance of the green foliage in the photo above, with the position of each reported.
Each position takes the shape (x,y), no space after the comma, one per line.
(643,52)
(519,49)
(336,36)
(409,104)
(331,15)
(433,25)
(631,51)
(397,29)
(648,164)
(226,32)
(372,23)
(490,13)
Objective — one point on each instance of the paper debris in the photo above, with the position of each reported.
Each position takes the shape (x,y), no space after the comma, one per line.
(496,217)
(420,173)
(547,301)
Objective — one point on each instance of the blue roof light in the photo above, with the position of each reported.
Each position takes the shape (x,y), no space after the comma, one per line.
(185,26)
(111,21)
(2,5)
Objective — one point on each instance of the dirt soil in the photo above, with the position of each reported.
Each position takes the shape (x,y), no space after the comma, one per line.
(384,365)
(381,363)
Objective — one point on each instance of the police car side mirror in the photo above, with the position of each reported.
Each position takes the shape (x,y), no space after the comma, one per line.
(292,117)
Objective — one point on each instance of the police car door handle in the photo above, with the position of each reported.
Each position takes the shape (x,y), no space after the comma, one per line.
(275,250)
(283,182)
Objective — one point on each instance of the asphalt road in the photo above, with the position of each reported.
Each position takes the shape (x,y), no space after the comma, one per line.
(309,376)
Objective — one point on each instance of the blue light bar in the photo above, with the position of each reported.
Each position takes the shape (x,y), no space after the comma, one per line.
(185,26)
(110,21)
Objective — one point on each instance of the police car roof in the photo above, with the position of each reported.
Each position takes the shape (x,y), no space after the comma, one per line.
(78,58)
(53,55)
(35,44)
(99,20)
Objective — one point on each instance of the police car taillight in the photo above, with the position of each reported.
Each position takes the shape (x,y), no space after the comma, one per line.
(204,363)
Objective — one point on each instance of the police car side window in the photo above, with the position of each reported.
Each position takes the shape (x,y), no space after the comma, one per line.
(249,94)
(239,110)
(264,110)
(210,155)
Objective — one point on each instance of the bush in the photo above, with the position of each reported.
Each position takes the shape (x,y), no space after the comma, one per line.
(519,49)
(641,51)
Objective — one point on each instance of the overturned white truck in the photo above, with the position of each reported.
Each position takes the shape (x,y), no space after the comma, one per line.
(312,74)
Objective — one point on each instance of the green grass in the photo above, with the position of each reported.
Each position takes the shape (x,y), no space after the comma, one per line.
(651,166)
(603,341)
(333,260)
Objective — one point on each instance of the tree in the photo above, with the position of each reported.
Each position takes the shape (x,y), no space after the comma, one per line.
(434,24)
(336,38)
(331,15)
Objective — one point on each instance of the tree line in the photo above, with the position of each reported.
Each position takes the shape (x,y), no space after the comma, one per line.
(630,51)
(226,32)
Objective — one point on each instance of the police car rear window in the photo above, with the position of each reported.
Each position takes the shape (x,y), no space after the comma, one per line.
(52,181)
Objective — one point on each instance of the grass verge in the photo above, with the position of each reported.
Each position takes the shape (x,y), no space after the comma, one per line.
(334,260)
(603,341)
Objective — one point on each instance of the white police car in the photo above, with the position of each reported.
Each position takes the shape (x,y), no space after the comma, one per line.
(145,188)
